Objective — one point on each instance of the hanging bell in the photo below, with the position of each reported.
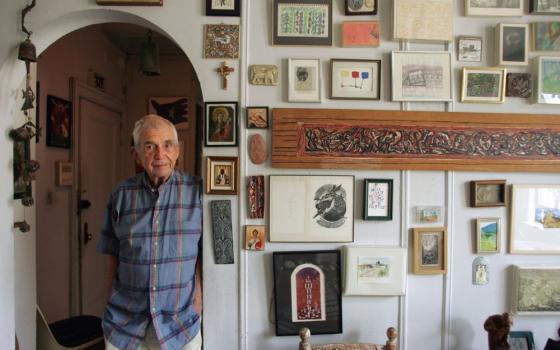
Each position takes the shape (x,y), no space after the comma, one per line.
(28,98)
(27,51)
(149,59)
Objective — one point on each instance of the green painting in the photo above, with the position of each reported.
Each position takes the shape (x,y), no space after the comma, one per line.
(551,76)
(483,85)
(488,236)
(539,290)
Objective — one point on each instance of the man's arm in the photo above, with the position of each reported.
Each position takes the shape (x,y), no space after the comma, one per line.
(111,273)
(198,285)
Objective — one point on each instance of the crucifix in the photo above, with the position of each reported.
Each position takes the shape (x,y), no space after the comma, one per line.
(224,71)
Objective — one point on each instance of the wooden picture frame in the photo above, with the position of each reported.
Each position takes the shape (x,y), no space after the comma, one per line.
(488,193)
(484,8)
(378,199)
(223,8)
(130,2)
(304,80)
(59,122)
(483,85)
(534,289)
(547,73)
(360,34)
(429,254)
(469,49)
(255,237)
(360,8)
(257,117)
(513,44)
(488,235)
(540,7)
(522,340)
(221,125)
(222,175)
(544,38)
(355,79)
(221,41)
(426,20)
(519,85)
(287,29)
(321,269)
(174,109)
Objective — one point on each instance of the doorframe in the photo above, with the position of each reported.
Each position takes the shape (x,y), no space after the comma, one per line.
(83,92)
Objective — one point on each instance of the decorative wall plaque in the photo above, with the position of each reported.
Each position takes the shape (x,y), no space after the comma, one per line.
(255,192)
(222,230)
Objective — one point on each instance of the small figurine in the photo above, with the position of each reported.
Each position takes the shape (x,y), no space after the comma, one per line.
(498,327)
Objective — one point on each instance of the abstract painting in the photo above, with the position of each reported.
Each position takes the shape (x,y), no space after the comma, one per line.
(519,85)
(59,122)
(256,192)
(355,79)
(536,290)
(360,34)
(174,109)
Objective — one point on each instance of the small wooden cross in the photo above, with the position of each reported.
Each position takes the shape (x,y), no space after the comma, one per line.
(224,71)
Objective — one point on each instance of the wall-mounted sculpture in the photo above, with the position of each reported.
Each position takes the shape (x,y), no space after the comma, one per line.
(263,74)
(255,192)
(222,230)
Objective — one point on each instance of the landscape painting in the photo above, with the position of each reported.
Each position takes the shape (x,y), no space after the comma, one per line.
(536,290)
(374,269)
(488,235)
(548,217)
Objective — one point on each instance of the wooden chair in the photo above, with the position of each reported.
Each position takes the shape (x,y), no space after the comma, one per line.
(391,344)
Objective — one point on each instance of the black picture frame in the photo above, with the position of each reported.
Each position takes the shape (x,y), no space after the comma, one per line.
(22,154)
(212,10)
(59,122)
(387,197)
(286,39)
(521,339)
(308,263)
(354,8)
(220,124)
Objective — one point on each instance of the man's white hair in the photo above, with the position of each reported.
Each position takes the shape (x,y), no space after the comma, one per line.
(151,121)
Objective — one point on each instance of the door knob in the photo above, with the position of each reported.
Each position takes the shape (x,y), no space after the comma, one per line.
(87,236)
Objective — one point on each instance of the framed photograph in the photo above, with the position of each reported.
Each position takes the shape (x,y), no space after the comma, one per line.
(311,208)
(519,85)
(546,36)
(257,117)
(374,270)
(521,340)
(535,219)
(421,76)
(544,7)
(428,214)
(223,7)
(221,41)
(131,2)
(547,71)
(355,79)
(304,80)
(535,290)
(488,193)
(22,154)
(360,7)
(307,291)
(220,124)
(174,109)
(469,49)
(429,255)
(360,34)
(59,122)
(483,85)
(222,175)
(302,22)
(513,44)
(378,199)
(510,8)
(427,20)
(488,235)
(255,237)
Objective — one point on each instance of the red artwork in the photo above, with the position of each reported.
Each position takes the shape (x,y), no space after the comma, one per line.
(255,190)
(308,295)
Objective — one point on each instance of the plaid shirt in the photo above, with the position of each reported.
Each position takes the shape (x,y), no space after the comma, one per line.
(155,235)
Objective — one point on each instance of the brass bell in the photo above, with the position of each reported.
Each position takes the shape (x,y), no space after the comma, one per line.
(27,51)
(149,59)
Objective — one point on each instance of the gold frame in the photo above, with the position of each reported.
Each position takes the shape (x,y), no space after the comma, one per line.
(417,267)
(502,97)
(498,221)
(211,187)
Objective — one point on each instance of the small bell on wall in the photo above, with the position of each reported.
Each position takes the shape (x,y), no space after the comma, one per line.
(149,59)
(28,54)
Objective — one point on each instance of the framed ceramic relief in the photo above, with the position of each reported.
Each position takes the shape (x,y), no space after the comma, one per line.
(488,193)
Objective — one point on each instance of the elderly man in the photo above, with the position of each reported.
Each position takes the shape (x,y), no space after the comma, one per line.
(151,232)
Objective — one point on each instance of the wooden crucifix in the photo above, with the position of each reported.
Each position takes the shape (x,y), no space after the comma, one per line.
(224,71)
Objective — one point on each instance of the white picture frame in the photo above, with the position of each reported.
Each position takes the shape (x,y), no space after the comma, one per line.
(426,20)
(304,80)
(469,49)
(546,73)
(374,271)
(487,8)
(534,289)
(513,44)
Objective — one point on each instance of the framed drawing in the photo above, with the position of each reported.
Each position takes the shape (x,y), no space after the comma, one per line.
(360,7)
(483,85)
(307,291)
(521,340)
(513,44)
(428,214)
(374,270)
(469,49)
(423,20)
(302,22)
(519,85)
(254,237)
(355,79)
(544,7)
(535,290)
(59,122)
(131,2)
(174,109)
(360,34)
(378,199)
(535,219)
(222,175)
(223,7)
(311,208)
(488,193)
(488,235)
(304,80)
(220,124)
(421,76)
(510,8)
(429,254)
(221,41)
(547,71)
(546,36)
(257,117)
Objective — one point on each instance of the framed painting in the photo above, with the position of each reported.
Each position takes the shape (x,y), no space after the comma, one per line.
(544,7)
(469,49)
(257,117)
(311,208)
(355,79)
(254,237)
(510,8)
(521,340)
(360,34)
(483,85)
(488,193)
(59,122)
(513,44)
(174,109)
(547,69)
(535,219)
(378,199)
(223,7)
(374,270)
(360,7)
(131,2)
(221,41)
(429,254)
(222,175)
(220,124)
(428,214)
(535,290)
(307,291)
(426,20)
(488,235)
(304,80)
(421,76)
(519,85)
(546,36)
(302,22)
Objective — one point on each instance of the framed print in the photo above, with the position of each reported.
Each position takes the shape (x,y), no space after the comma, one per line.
(547,71)
(469,49)
(521,340)
(222,175)
(421,76)
(257,117)
(483,85)
(488,193)
(174,109)
(355,79)
(535,290)
(519,85)
(428,214)
(510,8)
(254,237)
(360,34)
(302,22)
(544,7)
(59,122)
(546,36)
(513,44)
(429,255)
(374,270)
(535,219)
(311,208)
(220,124)
(430,20)
(378,199)
(131,2)
(221,41)
(360,7)
(304,80)
(488,235)
(307,291)
(223,7)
